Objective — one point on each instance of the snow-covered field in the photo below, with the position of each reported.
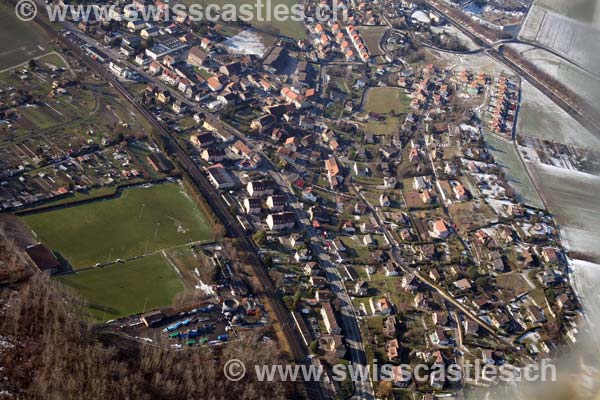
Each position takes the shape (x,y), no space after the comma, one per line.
(508,159)
(586,280)
(576,40)
(453,31)
(581,10)
(540,117)
(571,27)
(572,197)
(475,62)
(578,80)
(532,22)
(246,42)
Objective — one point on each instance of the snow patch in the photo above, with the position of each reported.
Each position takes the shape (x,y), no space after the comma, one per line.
(246,42)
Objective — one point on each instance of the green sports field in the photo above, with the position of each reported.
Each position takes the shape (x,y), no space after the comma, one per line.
(140,221)
(124,289)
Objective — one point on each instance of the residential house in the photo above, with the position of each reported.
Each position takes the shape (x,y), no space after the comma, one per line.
(312,269)
(296,239)
(276,202)
(263,123)
(333,344)
(281,221)
(389,326)
(381,306)
(240,149)
(219,177)
(261,188)
(410,282)
(440,229)
(253,205)
(392,347)
(462,285)
(361,288)
(390,269)
(384,200)
(213,154)
(203,139)
(330,320)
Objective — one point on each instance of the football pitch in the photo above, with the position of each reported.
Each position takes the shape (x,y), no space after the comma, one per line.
(142,220)
(124,289)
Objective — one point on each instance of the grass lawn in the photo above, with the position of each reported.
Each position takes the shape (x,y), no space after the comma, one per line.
(390,126)
(158,217)
(383,100)
(42,117)
(119,290)
(471,215)
(53,59)
(372,36)
(512,284)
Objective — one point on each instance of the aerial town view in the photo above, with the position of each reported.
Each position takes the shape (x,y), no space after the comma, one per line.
(324,199)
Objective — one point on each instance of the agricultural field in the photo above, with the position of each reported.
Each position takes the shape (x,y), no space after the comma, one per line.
(586,278)
(572,197)
(124,289)
(286,27)
(540,117)
(26,40)
(384,100)
(580,81)
(574,40)
(564,26)
(581,10)
(508,159)
(140,221)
